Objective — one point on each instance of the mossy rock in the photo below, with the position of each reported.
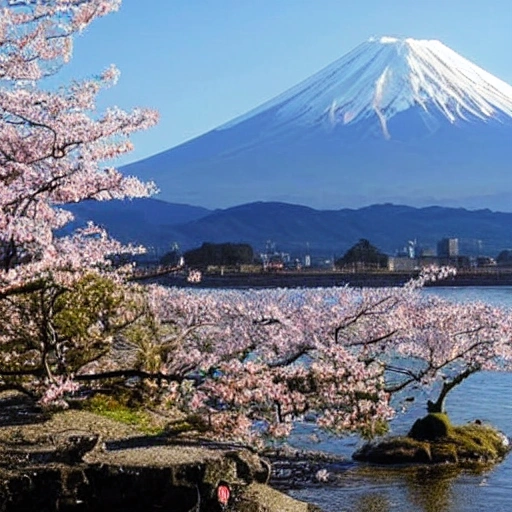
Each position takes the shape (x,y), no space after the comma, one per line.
(479,442)
(434,439)
(430,428)
(395,450)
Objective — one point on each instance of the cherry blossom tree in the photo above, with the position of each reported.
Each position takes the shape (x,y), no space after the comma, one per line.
(53,144)
(248,364)
(54,147)
(448,343)
(244,364)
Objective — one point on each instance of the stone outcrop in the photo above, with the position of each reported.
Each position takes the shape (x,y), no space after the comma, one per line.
(49,465)
(170,477)
(433,439)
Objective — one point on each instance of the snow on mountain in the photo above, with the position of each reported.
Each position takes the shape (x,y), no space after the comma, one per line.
(389,75)
(395,120)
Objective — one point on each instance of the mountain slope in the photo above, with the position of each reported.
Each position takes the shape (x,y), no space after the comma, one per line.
(400,121)
(140,221)
(386,76)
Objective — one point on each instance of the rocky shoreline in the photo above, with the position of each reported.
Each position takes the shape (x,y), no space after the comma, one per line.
(79,461)
(175,478)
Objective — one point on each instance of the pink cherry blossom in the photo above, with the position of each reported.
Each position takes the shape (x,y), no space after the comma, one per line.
(248,364)
(54,146)
(258,361)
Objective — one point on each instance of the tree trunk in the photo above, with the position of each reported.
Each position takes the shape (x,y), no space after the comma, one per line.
(438,405)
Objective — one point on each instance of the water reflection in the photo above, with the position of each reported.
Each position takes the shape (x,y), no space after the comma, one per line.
(425,488)
(430,489)
(373,503)
(419,488)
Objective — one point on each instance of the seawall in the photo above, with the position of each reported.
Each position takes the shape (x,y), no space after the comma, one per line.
(299,279)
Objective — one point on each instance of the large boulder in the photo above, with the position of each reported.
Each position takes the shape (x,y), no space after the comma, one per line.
(433,439)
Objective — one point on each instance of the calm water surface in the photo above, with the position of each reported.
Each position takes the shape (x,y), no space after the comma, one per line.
(367,488)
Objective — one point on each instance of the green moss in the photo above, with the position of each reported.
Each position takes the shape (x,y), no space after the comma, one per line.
(110,407)
(444,452)
(395,450)
(442,418)
(478,442)
(434,439)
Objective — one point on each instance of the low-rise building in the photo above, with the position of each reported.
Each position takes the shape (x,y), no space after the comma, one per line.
(402,264)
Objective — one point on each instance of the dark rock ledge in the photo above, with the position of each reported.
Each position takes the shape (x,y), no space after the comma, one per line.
(51,466)
(167,477)
(296,469)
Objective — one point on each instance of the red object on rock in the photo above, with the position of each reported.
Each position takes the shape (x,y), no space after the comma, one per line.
(223,493)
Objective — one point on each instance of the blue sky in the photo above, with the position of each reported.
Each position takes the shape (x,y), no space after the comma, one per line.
(201,63)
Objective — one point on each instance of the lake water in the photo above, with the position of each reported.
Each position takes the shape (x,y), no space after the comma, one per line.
(369,488)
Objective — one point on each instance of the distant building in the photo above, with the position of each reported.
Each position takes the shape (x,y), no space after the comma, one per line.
(402,264)
(448,248)
(429,261)
(426,252)
(485,261)
(275,263)
(412,247)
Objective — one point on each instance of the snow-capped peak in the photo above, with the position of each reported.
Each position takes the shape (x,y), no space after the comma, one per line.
(383,40)
(387,75)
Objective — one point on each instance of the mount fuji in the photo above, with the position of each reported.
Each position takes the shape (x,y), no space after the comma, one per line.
(395,120)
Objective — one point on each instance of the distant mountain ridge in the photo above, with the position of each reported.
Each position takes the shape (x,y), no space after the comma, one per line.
(143,221)
(395,120)
(299,229)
